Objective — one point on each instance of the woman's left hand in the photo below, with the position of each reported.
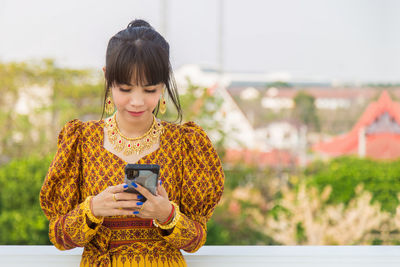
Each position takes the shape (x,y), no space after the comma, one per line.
(156,207)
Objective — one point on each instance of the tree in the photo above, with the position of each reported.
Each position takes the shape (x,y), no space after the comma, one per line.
(50,96)
(305,111)
(201,104)
(279,84)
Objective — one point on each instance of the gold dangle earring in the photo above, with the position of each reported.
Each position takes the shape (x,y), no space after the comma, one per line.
(163,105)
(109,105)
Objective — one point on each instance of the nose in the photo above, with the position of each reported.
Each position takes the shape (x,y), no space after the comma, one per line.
(136,98)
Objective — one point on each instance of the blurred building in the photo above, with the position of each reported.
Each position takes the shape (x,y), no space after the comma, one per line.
(276,144)
(277,99)
(255,136)
(376,135)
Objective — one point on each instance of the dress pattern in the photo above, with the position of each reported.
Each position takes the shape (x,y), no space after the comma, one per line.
(190,171)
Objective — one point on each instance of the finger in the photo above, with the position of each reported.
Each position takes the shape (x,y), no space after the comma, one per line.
(116,197)
(161,191)
(129,196)
(143,191)
(117,188)
(133,205)
(142,214)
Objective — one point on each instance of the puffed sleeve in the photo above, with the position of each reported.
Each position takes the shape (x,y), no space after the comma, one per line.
(60,197)
(202,187)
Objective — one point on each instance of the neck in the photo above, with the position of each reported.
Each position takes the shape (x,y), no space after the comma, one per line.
(132,130)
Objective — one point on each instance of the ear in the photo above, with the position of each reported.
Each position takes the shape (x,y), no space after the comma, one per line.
(104,70)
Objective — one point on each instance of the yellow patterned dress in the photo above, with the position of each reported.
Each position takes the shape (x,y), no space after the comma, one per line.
(191,173)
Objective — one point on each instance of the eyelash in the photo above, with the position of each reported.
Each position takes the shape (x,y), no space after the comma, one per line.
(128,90)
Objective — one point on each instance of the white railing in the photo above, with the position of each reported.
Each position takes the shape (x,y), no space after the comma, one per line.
(221,256)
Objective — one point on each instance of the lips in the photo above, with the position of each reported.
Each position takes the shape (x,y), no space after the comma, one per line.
(136,113)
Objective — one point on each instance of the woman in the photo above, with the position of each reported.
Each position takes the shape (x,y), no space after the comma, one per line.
(83,193)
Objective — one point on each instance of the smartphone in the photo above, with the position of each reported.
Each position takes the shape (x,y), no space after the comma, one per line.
(144,174)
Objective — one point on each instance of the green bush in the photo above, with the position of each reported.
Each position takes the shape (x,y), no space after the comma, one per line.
(227,228)
(345,173)
(22,221)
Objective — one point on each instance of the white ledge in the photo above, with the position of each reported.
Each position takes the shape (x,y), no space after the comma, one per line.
(221,256)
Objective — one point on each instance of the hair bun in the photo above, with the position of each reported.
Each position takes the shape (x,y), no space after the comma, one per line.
(139,23)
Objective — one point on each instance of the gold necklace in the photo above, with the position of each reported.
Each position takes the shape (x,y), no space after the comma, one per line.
(127,145)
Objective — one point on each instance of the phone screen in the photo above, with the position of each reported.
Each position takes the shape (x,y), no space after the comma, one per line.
(144,174)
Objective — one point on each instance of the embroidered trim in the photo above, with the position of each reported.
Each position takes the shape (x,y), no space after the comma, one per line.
(126,223)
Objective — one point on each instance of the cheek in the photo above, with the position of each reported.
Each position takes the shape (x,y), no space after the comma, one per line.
(152,100)
(119,98)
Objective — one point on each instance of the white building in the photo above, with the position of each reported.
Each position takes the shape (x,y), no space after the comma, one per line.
(283,135)
(240,132)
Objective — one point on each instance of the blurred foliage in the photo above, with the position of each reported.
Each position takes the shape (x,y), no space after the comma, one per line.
(22,221)
(37,99)
(223,230)
(305,111)
(233,222)
(339,121)
(345,201)
(343,174)
(309,219)
(383,85)
(201,104)
(278,84)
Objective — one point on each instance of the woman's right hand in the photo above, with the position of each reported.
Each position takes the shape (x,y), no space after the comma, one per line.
(113,201)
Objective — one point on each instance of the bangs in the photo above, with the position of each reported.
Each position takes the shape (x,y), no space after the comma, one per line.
(141,63)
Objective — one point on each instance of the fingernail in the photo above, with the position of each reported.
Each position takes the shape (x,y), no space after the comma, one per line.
(140,197)
(125,186)
(135,212)
(139,203)
(160,182)
(134,184)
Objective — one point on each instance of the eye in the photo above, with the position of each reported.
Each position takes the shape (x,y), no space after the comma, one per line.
(151,88)
(124,90)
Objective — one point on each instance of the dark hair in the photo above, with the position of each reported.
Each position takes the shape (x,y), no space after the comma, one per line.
(141,52)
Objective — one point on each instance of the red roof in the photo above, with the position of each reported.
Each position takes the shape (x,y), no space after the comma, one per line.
(387,146)
(378,146)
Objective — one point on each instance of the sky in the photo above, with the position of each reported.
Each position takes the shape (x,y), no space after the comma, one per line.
(333,40)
